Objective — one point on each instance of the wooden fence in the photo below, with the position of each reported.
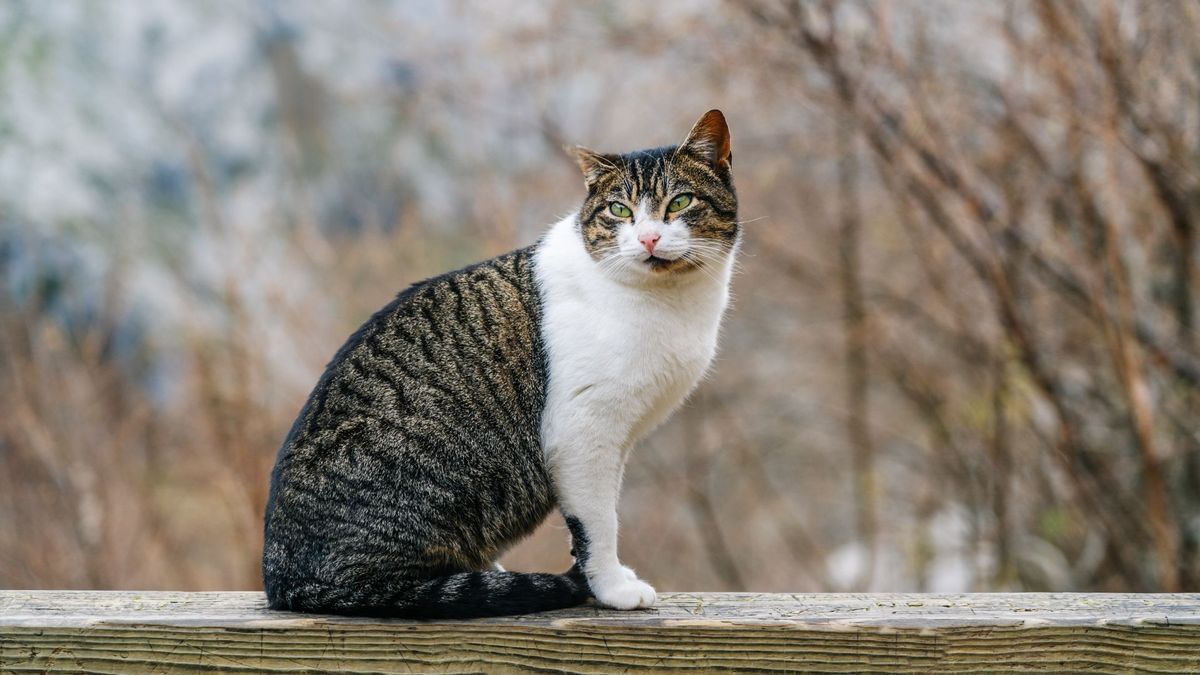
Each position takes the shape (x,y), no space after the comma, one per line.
(138,632)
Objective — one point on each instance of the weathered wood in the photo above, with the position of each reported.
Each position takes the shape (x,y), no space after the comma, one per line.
(134,632)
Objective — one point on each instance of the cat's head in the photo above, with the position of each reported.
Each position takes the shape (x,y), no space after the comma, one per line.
(665,212)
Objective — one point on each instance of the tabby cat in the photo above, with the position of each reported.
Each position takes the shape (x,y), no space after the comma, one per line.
(458,416)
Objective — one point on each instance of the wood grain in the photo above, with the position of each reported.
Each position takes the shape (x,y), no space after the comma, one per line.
(158,632)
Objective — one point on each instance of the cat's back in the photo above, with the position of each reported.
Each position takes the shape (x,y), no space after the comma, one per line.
(464,347)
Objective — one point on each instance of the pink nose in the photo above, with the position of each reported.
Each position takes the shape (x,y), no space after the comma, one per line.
(649,239)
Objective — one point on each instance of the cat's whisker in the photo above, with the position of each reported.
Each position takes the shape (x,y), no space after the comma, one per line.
(710,254)
(714,249)
(700,265)
(752,220)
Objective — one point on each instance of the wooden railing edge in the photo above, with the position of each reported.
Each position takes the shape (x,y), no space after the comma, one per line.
(155,631)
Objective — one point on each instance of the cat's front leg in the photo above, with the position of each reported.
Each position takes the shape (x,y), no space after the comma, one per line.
(588,483)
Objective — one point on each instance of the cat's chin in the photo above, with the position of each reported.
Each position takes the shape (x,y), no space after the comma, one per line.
(659,266)
(654,271)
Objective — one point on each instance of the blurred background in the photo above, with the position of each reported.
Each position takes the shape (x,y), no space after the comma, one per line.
(962,353)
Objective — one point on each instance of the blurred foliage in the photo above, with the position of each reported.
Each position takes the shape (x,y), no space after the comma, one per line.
(962,354)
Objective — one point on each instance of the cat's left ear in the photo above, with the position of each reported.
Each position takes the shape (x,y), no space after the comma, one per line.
(591,163)
(709,139)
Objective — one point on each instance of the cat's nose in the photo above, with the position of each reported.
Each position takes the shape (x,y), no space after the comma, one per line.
(649,239)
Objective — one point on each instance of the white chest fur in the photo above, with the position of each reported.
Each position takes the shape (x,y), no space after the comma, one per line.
(621,357)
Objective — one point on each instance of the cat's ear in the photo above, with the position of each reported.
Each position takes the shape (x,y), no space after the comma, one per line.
(591,163)
(709,140)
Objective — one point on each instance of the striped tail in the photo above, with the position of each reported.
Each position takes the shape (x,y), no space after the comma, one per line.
(464,595)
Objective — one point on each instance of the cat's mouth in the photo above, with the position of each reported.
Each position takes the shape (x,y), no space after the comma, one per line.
(658,264)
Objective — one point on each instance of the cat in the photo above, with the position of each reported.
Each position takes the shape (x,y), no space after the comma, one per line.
(458,416)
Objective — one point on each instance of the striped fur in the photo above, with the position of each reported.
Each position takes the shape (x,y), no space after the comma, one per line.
(425,449)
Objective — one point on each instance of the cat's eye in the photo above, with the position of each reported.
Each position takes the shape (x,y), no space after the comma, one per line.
(679,203)
(619,210)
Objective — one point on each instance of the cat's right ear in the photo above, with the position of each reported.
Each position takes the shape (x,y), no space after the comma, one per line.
(709,139)
(591,163)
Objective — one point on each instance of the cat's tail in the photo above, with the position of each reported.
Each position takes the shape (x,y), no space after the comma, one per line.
(464,595)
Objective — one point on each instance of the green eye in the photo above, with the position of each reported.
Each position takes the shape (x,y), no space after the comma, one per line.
(679,203)
(619,210)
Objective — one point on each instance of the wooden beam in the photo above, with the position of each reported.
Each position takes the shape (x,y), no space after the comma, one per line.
(136,632)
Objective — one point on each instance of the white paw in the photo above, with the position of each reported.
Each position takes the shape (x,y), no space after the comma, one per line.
(630,575)
(624,592)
